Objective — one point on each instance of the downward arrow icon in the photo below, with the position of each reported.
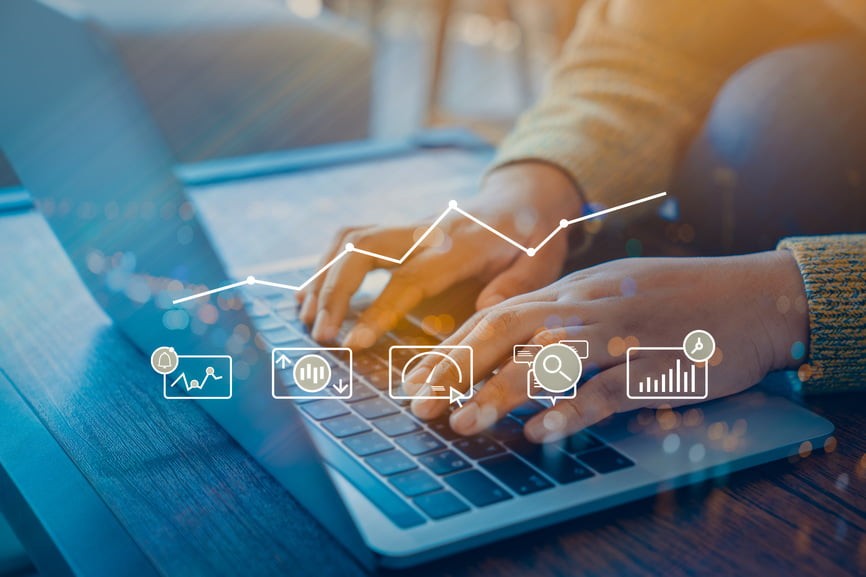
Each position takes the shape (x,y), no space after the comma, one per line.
(341,388)
(283,361)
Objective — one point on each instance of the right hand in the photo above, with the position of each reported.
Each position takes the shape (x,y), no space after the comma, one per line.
(524,201)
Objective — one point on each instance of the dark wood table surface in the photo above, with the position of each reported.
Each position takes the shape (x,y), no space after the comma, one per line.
(191,502)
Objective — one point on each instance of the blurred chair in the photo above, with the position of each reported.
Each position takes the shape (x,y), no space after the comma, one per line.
(563,14)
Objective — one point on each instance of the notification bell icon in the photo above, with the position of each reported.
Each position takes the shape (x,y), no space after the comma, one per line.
(163,360)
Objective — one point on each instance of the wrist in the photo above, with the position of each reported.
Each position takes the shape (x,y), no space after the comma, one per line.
(534,186)
(784,311)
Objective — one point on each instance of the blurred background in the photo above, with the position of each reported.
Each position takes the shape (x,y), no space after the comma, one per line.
(234,77)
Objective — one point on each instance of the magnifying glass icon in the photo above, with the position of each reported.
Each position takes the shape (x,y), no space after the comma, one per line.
(556,367)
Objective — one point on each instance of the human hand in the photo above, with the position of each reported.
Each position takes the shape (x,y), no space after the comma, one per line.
(753,305)
(524,201)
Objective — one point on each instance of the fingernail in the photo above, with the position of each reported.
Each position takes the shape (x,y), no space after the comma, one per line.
(547,427)
(322,329)
(414,381)
(360,337)
(464,420)
(489,301)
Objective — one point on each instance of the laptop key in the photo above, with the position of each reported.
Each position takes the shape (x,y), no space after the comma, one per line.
(368,444)
(527,410)
(551,461)
(325,409)
(444,462)
(442,428)
(366,363)
(345,426)
(361,392)
(441,505)
(415,483)
(257,310)
(375,407)
(419,443)
(378,378)
(506,429)
(287,308)
(477,488)
(580,442)
(269,323)
(515,474)
(396,425)
(605,460)
(390,463)
(284,337)
(478,447)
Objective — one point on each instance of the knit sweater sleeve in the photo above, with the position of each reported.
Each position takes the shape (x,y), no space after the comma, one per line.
(635,79)
(834,276)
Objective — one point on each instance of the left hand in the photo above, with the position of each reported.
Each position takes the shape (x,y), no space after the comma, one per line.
(740,300)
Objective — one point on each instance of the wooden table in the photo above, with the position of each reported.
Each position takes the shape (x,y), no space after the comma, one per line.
(100,476)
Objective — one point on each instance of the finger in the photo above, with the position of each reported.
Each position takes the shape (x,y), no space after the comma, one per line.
(419,375)
(425,275)
(597,399)
(488,344)
(332,301)
(308,295)
(500,394)
(526,274)
(345,275)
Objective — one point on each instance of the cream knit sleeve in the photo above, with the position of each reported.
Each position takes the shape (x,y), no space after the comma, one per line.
(834,275)
(635,80)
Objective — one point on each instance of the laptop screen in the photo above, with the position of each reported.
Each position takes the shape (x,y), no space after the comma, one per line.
(79,138)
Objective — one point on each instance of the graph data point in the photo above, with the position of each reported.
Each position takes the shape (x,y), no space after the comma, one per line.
(452,204)
(563,223)
(530,252)
(251,280)
(350,247)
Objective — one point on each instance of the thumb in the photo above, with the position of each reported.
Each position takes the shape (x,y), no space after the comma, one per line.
(526,274)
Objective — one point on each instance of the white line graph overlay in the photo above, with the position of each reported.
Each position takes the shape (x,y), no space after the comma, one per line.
(452,207)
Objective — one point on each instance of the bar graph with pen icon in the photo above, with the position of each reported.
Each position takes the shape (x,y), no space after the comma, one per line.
(679,377)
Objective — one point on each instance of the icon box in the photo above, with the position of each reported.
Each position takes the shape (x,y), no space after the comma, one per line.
(465,377)
(680,382)
(197,365)
(340,389)
(532,383)
(525,355)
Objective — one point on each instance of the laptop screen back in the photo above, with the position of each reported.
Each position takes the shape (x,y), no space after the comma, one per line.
(78,136)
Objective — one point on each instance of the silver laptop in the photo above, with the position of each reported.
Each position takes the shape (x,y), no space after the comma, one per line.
(393,490)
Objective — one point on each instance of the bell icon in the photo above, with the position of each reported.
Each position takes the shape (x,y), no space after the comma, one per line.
(163,360)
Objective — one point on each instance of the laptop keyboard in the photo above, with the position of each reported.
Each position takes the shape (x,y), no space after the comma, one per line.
(435,471)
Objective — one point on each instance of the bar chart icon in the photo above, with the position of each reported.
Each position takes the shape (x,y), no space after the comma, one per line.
(683,379)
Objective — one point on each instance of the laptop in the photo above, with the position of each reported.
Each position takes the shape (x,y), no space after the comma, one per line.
(393,490)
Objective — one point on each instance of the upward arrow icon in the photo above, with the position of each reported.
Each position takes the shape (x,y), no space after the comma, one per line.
(283,361)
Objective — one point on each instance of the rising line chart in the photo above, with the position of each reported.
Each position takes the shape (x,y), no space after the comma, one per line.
(452,207)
